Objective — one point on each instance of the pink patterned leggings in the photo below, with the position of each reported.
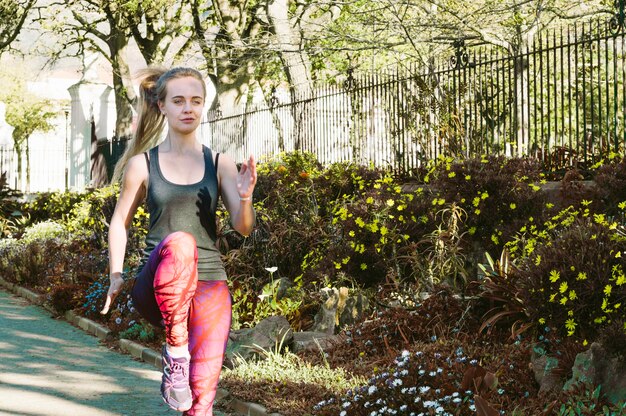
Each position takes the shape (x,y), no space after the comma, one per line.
(167,293)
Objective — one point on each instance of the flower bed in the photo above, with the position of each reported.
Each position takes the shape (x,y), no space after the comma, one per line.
(557,287)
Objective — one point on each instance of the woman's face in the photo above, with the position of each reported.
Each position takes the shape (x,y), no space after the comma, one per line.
(183,104)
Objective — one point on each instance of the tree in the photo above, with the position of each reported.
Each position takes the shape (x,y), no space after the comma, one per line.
(106,27)
(13,14)
(27,114)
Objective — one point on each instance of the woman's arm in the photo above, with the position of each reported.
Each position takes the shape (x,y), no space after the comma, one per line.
(131,194)
(236,189)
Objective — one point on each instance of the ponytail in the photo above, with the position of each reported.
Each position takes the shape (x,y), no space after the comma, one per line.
(150,121)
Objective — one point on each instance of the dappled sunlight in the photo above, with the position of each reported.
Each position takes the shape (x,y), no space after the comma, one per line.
(74,383)
(15,317)
(28,335)
(146,374)
(36,403)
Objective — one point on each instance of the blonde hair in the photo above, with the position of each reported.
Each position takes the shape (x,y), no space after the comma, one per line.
(150,121)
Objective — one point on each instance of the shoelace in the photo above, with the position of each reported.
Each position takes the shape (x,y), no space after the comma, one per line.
(177,370)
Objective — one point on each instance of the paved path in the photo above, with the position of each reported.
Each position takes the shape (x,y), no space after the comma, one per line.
(49,367)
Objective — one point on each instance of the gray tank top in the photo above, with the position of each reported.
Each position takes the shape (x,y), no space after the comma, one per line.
(190,208)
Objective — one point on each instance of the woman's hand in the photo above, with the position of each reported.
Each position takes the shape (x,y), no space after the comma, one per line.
(246,179)
(115,287)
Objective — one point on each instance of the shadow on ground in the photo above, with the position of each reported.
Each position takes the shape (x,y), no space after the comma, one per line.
(48,367)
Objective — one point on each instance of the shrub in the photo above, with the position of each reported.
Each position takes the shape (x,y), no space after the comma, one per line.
(66,297)
(499,194)
(572,274)
(55,206)
(140,331)
(9,207)
(45,230)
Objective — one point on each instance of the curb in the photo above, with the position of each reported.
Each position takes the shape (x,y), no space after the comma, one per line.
(132,348)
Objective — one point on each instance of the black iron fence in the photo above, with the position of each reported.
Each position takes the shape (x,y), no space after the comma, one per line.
(561,98)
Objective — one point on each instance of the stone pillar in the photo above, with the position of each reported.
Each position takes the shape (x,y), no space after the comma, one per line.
(92,117)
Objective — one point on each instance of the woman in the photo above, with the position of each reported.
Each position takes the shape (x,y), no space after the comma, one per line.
(181,284)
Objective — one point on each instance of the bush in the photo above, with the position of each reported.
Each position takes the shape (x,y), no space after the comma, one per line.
(55,206)
(499,195)
(45,230)
(571,276)
(66,297)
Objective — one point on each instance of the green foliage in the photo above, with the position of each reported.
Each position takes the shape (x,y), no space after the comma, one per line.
(586,400)
(441,258)
(41,231)
(140,331)
(55,206)
(25,111)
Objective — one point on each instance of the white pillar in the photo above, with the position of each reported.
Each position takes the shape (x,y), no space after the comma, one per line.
(87,105)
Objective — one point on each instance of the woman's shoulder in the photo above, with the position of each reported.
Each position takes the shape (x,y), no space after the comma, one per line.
(137,164)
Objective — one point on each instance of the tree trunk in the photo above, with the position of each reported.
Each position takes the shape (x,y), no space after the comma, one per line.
(124,93)
(18,153)
(297,67)
(27,189)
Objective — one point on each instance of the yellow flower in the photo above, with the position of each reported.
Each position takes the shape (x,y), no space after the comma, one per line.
(383,230)
(363,266)
(451,175)
(351,233)
(542,321)
(390,202)
(512,206)
(563,287)
(369,200)
(570,325)
(468,177)
(573,295)
(360,222)
(607,290)
(554,276)
(581,276)
(563,300)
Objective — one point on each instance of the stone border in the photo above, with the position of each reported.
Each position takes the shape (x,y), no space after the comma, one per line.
(132,348)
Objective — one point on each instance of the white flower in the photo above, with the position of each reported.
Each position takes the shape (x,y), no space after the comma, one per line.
(372,390)
(271,269)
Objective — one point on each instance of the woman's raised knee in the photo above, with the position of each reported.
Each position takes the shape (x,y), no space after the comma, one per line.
(180,242)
